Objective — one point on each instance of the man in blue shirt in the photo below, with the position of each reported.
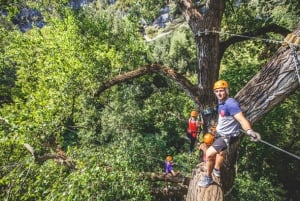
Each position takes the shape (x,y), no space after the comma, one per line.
(230,119)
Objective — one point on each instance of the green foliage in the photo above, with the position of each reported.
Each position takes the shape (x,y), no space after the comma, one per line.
(259,161)
(249,15)
(278,128)
(176,50)
(99,176)
(137,10)
(248,189)
(102,175)
(243,67)
(49,76)
(56,68)
(7,73)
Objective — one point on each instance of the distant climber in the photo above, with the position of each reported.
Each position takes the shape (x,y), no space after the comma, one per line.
(194,128)
(169,166)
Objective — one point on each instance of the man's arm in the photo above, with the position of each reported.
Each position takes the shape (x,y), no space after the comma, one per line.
(246,125)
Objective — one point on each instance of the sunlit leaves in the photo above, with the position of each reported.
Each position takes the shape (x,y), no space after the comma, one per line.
(262,189)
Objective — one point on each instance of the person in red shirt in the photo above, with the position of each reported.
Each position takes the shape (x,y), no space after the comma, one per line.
(193,129)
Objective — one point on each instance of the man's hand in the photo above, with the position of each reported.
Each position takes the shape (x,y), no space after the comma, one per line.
(254,136)
(202,146)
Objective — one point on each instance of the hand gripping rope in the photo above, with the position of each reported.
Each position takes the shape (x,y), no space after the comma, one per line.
(275,147)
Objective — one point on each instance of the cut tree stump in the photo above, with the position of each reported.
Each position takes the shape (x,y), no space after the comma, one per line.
(213,192)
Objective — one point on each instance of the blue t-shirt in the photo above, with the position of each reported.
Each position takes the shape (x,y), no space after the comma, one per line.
(168,167)
(228,126)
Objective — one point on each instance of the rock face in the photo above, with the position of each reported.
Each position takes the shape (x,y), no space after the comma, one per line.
(163,18)
(27,18)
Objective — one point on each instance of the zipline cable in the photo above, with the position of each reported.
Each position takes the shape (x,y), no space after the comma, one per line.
(273,146)
(207,32)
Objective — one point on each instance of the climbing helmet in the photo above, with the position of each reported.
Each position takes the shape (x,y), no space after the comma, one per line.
(169,158)
(208,139)
(221,84)
(194,113)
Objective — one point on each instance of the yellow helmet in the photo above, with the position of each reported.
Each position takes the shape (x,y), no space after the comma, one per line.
(208,139)
(221,84)
(194,113)
(169,158)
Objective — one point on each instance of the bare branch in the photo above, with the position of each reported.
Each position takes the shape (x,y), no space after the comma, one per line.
(58,157)
(166,177)
(185,84)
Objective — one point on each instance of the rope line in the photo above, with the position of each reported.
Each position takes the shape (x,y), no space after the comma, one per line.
(207,32)
(297,157)
(251,37)
(275,147)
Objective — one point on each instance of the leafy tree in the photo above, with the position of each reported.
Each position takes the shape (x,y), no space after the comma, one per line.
(57,78)
(205,24)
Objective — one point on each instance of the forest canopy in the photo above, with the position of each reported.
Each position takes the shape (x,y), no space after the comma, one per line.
(87,147)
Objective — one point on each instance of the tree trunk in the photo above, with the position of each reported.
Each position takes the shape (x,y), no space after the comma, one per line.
(203,21)
(275,81)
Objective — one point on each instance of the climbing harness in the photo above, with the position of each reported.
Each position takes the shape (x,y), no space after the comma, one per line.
(275,147)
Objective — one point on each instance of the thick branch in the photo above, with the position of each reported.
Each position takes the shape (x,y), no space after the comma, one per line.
(175,187)
(166,177)
(58,157)
(185,84)
(272,28)
(276,81)
(170,193)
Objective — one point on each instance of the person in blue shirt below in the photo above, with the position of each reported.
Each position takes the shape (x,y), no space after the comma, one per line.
(230,119)
(169,166)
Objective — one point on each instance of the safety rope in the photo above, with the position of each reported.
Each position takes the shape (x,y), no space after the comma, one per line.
(214,31)
(296,61)
(275,147)
(250,37)
(285,41)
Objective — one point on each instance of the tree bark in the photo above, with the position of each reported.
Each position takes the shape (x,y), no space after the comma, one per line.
(59,157)
(185,84)
(275,81)
(166,177)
